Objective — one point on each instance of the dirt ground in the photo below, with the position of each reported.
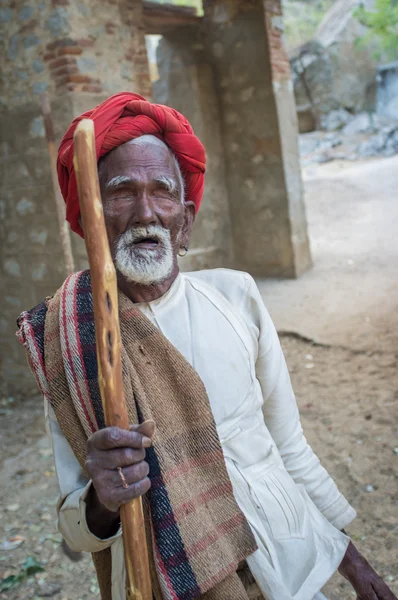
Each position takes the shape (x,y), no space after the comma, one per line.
(348,397)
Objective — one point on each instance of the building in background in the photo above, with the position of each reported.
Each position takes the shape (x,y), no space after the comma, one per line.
(226,70)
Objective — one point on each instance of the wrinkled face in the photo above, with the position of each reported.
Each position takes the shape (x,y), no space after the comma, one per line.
(146,220)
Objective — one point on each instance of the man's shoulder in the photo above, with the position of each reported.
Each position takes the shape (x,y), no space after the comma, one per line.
(231,284)
(35,317)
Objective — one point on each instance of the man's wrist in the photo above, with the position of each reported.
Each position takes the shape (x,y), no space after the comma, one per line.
(350,561)
(101,522)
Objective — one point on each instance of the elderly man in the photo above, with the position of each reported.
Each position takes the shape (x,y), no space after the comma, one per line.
(228,475)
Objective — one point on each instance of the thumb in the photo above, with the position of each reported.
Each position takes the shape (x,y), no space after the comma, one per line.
(146,428)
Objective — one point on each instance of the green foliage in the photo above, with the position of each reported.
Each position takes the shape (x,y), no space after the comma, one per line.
(30,567)
(382,24)
(302,19)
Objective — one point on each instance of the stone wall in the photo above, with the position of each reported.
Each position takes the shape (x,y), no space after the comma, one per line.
(79,52)
(259,130)
(229,75)
(71,46)
(32,262)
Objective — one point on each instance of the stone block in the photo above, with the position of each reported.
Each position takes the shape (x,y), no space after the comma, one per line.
(306,119)
(259,138)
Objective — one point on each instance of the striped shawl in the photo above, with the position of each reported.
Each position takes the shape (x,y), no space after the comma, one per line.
(196,532)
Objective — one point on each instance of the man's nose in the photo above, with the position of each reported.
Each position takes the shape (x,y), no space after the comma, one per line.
(144,212)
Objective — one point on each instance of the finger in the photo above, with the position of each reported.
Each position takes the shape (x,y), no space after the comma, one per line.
(382,591)
(122,457)
(146,428)
(114,437)
(132,474)
(114,497)
(371,595)
(366,593)
(121,495)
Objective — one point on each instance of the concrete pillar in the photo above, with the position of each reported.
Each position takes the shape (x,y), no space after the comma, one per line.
(79,52)
(187,84)
(259,128)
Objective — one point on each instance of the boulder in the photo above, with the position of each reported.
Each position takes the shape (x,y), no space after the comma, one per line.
(361,123)
(336,119)
(384,143)
(332,72)
(306,118)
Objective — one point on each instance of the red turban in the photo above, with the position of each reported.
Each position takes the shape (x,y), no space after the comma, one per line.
(124,117)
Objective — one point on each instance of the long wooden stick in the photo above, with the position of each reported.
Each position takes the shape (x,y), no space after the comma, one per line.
(104,287)
(59,203)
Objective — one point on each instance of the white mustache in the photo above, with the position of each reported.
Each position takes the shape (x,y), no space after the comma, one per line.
(153,231)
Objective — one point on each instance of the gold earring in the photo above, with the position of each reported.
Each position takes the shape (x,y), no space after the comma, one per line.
(185,253)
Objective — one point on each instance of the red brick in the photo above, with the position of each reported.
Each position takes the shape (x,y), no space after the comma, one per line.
(79,78)
(75,50)
(62,61)
(58,43)
(49,56)
(66,70)
(86,42)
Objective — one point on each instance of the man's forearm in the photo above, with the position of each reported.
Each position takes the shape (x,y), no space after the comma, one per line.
(102,522)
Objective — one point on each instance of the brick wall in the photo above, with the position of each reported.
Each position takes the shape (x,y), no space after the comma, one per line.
(230,76)
(274,26)
(71,46)
(79,52)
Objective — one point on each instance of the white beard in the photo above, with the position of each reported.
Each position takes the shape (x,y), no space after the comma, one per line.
(144,266)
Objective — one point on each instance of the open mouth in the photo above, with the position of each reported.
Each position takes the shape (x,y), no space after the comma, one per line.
(146,242)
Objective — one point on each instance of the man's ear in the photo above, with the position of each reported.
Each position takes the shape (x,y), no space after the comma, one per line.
(189,219)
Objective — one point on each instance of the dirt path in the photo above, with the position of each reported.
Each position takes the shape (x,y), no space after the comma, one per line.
(347,404)
(350,296)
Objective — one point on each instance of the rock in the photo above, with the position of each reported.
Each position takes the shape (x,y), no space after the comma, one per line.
(331,71)
(330,140)
(311,74)
(306,118)
(323,158)
(47,589)
(384,143)
(336,119)
(12,543)
(308,143)
(362,123)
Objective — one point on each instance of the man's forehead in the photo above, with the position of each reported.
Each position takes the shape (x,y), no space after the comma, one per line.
(136,161)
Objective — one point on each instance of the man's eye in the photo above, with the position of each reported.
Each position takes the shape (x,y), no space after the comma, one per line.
(161,191)
(122,195)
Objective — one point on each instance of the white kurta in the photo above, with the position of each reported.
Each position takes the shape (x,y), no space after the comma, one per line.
(218,321)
